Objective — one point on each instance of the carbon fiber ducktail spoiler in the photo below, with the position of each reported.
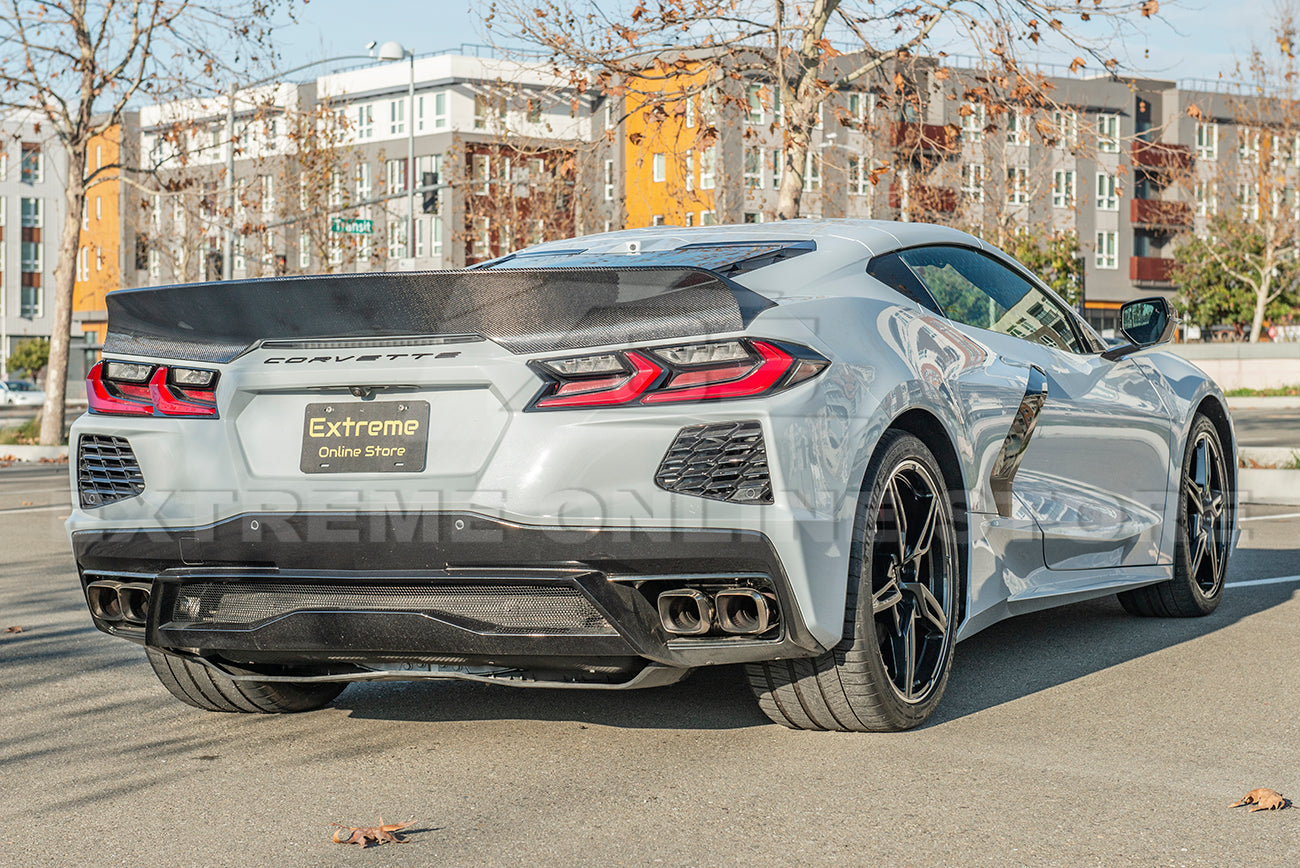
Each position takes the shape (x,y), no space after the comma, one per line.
(524,310)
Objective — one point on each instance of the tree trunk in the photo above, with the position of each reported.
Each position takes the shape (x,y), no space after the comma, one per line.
(65,275)
(1261,300)
(796,160)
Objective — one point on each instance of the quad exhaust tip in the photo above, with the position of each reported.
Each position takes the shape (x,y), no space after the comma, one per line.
(739,611)
(743,611)
(119,603)
(686,612)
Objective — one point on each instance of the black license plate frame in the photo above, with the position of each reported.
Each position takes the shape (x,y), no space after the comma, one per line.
(365,437)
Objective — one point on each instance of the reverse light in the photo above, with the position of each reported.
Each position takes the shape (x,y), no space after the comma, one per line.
(703,371)
(133,389)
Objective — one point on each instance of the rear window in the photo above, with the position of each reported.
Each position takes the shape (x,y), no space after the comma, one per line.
(726,259)
(20,387)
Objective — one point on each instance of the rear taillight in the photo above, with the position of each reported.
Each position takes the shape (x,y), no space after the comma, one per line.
(713,370)
(133,389)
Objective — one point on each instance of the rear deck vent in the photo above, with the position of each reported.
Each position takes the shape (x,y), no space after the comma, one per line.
(106,470)
(727,461)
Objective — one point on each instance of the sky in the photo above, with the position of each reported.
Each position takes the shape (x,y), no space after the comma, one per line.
(1190,38)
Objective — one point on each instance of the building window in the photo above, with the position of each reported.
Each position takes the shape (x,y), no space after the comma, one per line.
(1248,145)
(709,168)
(31,257)
(812,175)
(1248,199)
(1207,141)
(1205,199)
(397,238)
(657,220)
(397,117)
(754,101)
(1107,257)
(753,168)
(83,264)
(440,110)
(858,180)
(395,176)
(365,121)
(1062,189)
(32,168)
(753,217)
(659,167)
(1017,128)
(155,263)
(1108,133)
(861,108)
(609,180)
(31,213)
(483,106)
(99,208)
(481,169)
(689,170)
(690,112)
(435,231)
(85,215)
(972,122)
(363,182)
(336,189)
(239,262)
(778,160)
(1017,185)
(481,238)
(304,250)
(1107,192)
(1066,126)
(708,218)
(972,182)
(30,302)
(534,111)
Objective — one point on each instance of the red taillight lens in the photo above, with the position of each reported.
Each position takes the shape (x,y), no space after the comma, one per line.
(694,372)
(129,389)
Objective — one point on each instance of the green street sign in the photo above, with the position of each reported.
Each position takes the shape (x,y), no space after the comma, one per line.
(355,226)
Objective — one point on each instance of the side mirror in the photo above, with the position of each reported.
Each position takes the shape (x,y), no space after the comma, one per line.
(1144,323)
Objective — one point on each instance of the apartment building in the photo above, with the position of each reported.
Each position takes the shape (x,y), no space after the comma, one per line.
(322,177)
(33,168)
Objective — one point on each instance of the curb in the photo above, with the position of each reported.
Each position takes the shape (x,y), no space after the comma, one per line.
(1278,487)
(33,453)
(1284,402)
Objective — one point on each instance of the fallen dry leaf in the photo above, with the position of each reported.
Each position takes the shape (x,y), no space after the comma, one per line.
(14,629)
(363,835)
(1264,800)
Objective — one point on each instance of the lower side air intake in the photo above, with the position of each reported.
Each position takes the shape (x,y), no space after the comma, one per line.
(726,461)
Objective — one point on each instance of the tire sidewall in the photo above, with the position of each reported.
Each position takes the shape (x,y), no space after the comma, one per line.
(860,633)
(1182,540)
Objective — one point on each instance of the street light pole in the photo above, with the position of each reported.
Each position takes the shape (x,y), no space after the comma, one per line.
(395,51)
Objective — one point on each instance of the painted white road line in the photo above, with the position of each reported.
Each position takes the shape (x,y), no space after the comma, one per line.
(1279,580)
(66,507)
(1271,517)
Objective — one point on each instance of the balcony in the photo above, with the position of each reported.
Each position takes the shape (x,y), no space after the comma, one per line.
(1158,155)
(922,197)
(1158,212)
(1150,269)
(924,137)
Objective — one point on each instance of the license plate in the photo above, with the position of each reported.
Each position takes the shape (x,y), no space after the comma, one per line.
(371,437)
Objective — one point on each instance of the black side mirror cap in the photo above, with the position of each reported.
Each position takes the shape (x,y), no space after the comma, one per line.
(1145,322)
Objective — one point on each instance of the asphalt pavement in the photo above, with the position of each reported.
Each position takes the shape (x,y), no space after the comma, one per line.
(1274,427)
(1079,736)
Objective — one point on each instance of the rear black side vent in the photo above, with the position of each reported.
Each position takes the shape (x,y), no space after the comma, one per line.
(727,461)
(106,470)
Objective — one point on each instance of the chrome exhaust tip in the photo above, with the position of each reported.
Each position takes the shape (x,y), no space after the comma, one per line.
(685,612)
(134,603)
(744,611)
(104,602)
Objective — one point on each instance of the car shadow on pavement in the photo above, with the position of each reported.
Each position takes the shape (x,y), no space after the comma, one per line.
(1010,660)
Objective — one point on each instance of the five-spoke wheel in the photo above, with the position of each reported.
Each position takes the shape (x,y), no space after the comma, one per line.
(903,601)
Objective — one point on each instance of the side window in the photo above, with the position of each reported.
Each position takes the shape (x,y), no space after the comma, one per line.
(977,290)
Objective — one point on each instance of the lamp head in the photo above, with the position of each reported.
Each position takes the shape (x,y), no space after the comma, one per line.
(391,51)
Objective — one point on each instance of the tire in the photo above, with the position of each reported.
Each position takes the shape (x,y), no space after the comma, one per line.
(1203,536)
(864,684)
(205,688)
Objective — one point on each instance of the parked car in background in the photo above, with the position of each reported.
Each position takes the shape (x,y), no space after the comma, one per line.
(20,393)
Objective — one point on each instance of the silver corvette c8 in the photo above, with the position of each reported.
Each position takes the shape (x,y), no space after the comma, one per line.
(828,450)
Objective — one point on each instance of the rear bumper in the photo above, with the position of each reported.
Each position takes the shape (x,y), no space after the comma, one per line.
(373,592)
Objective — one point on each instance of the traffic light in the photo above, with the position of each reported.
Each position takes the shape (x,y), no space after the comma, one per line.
(429,205)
